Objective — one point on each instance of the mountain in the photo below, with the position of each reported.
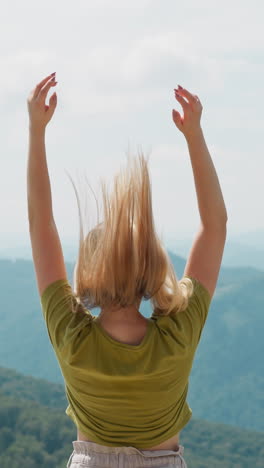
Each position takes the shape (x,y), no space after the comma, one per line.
(245,250)
(36,433)
(239,252)
(22,250)
(228,364)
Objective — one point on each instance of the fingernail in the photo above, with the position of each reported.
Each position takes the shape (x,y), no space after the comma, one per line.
(53,74)
(179,86)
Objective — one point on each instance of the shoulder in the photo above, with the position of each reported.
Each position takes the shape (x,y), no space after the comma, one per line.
(63,312)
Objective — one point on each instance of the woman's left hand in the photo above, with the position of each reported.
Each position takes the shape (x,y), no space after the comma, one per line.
(40,113)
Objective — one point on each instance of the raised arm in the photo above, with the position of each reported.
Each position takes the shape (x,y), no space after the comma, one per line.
(205,257)
(46,246)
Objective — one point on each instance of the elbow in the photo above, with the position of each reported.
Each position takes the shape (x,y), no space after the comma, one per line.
(225,218)
(221,218)
(218,223)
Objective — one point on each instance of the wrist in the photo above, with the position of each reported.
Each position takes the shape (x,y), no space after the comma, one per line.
(194,134)
(36,130)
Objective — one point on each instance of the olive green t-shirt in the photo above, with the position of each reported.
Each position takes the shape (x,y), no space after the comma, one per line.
(121,394)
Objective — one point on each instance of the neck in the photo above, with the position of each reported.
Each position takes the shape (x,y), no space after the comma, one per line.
(129,313)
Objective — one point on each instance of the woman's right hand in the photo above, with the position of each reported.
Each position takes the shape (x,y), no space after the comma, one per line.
(189,124)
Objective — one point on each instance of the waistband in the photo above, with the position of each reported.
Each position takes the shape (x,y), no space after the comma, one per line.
(85,448)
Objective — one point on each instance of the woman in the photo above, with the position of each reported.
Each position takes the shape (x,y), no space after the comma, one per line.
(126,376)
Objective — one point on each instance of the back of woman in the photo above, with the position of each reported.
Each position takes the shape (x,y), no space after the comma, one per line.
(126,376)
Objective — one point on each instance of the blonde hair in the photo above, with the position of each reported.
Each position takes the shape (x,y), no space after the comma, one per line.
(122,258)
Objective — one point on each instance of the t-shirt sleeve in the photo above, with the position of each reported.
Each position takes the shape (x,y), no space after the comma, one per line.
(64,316)
(192,319)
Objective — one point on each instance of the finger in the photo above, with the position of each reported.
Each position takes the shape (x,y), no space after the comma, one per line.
(39,85)
(45,89)
(53,100)
(198,100)
(177,118)
(52,104)
(187,94)
(181,100)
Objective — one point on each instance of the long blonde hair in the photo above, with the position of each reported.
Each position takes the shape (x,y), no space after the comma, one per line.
(122,258)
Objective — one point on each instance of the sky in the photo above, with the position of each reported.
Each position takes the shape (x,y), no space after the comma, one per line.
(117,63)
